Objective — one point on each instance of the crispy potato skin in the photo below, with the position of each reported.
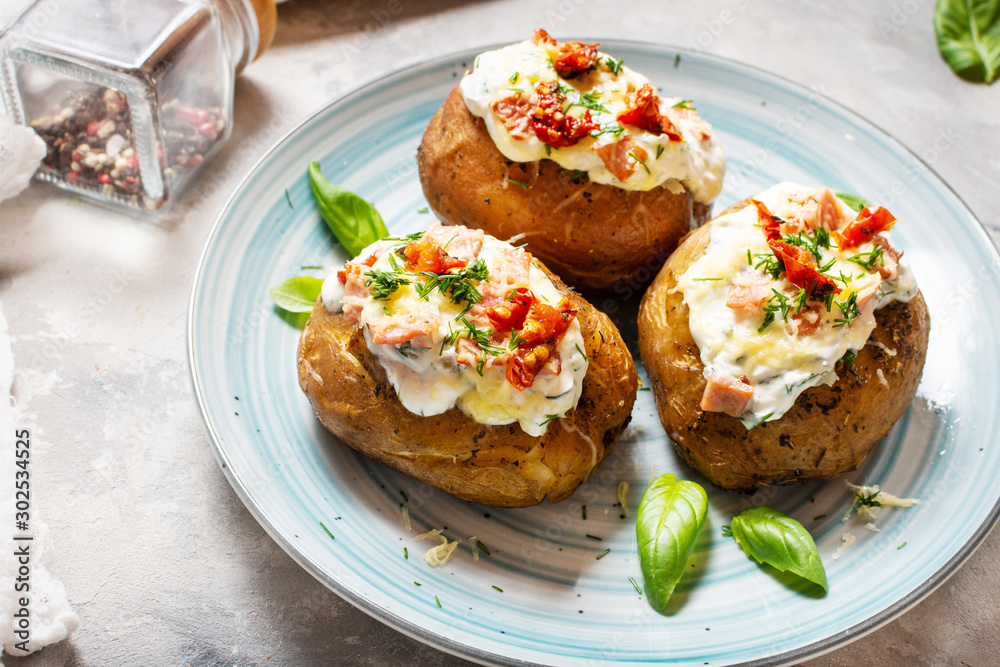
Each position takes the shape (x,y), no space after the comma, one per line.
(592,235)
(500,466)
(827,432)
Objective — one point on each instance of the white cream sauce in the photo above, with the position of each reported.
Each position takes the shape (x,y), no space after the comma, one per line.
(426,373)
(699,164)
(779,362)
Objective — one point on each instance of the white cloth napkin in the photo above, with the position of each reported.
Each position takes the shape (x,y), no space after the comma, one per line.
(50,617)
(20,152)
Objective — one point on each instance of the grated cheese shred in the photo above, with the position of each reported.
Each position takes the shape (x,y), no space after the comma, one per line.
(438,555)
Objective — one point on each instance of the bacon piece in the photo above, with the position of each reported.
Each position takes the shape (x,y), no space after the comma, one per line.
(554,127)
(574,58)
(515,114)
(800,269)
(748,290)
(393,332)
(510,313)
(871,220)
(814,209)
(890,257)
(724,393)
(808,321)
(427,255)
(697,126)
(355,292)
(643,111)
(467,352)
(459,242)
(866,292)
(622,157)
(542,37)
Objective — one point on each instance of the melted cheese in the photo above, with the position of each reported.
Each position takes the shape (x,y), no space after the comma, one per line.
(699,164)
(427,375)
(779,362)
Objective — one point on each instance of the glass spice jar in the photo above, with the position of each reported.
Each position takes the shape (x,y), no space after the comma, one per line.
(131,98)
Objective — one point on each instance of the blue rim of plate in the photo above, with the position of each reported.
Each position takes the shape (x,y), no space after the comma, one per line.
(417,631)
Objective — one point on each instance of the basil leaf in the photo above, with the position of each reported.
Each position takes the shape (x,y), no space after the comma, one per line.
(670,515)
(297,295)
(354,222)
(968,36)
(855,202)
(768,536)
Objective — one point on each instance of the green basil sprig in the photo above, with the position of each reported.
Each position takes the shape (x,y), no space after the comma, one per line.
(297,295)
(670,515)
(968,36)
(354,221)
(768,536)
(855,202)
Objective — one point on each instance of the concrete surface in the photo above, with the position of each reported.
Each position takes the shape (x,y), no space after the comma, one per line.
(161,560)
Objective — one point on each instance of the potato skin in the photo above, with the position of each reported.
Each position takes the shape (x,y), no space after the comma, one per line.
(500,466)
(829,430)
(591,234)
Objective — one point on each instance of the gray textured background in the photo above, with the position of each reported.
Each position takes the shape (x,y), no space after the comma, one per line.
(161,560)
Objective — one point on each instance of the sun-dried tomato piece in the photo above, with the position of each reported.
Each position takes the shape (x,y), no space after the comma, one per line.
(552,125)
(546,324)
(574,58)
(643,111)
(510,313)
(870,221)
(525,364)
(770,224)
(427,255)
(800,269)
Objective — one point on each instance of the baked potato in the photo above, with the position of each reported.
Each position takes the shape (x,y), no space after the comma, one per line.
(830,428)
(501,465)
(599,193)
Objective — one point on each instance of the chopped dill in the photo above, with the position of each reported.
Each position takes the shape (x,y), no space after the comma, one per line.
(636,158)
(327,531)
(383,284)
(603,554)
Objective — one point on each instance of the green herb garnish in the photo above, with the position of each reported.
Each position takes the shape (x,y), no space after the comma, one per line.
(383,284)
(327,531)
(770,537)
(669,517)
(355,222)
(968,37)
(297,295)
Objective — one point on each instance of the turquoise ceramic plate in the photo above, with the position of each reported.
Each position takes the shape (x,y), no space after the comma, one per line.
(560,604)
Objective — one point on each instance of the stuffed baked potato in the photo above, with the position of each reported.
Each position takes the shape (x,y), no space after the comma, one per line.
(365,400)
(600,192)
(822,426)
